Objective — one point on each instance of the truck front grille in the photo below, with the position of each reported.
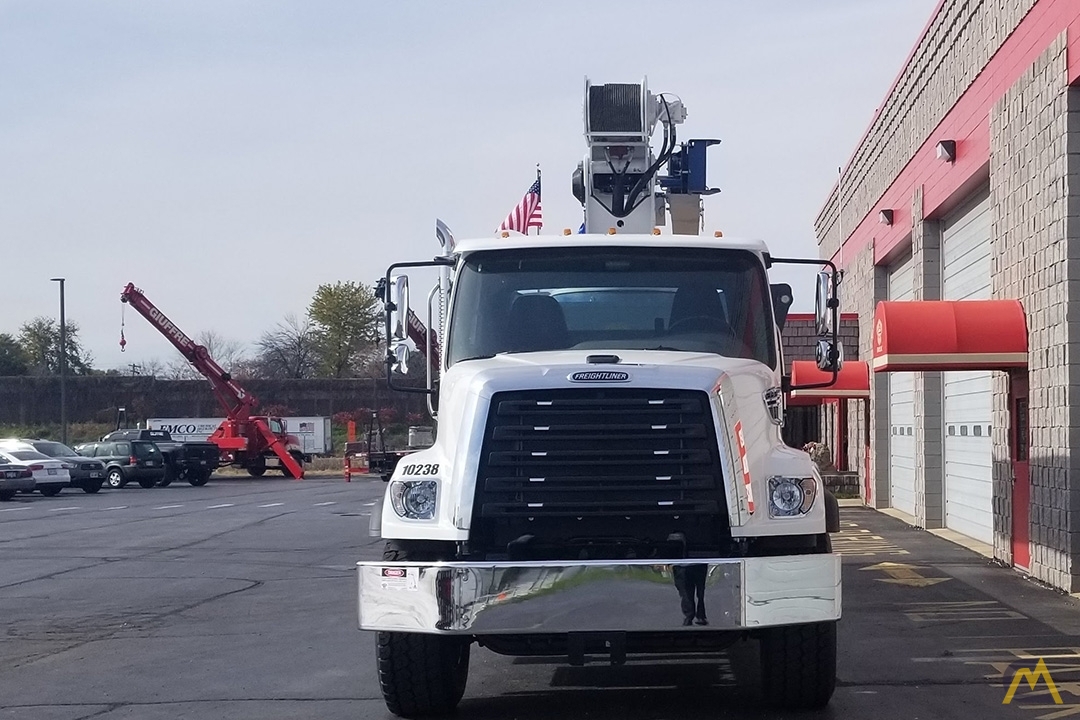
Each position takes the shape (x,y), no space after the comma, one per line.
(601,471)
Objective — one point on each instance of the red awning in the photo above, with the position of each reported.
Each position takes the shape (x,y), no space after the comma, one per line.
(852,382)
(949,335)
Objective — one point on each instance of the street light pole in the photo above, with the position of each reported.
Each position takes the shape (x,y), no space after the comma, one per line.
(63,365)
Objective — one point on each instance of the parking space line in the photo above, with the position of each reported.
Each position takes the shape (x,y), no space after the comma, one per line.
(117,507)
(332,502)
(370,504)
(14,509)
(271,504)
(168,507)
(73,507)
(215,507)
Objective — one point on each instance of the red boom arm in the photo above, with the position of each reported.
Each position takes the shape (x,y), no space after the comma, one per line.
(418,334)
(238,403)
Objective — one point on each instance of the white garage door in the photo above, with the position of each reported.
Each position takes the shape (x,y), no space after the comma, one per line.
(902,409)
(965,274)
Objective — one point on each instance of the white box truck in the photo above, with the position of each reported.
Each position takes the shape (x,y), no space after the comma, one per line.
(313,432)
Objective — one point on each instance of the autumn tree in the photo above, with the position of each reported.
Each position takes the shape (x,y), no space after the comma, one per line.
(345,319)
(40,342)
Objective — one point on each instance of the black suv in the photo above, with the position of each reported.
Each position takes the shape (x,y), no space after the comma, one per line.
(127,460)
(191,461)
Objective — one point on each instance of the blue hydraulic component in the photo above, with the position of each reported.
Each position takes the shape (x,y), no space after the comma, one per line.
(686,169)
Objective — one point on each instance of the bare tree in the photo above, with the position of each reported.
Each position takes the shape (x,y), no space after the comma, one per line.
(229,354)
(290,350)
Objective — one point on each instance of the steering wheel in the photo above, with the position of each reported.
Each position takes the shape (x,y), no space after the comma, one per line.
(700,323)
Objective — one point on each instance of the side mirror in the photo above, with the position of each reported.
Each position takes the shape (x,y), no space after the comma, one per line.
(830,357)
(822,296)
(399,302)
(401,354)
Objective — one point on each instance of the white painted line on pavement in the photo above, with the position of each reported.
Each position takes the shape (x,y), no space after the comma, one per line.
(14,509)
(73,507)
(215,507)
(332,502)
(271,504)
(118,507)
(370,504)
(168,507)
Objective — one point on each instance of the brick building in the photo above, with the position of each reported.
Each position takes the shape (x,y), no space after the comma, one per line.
(957,223)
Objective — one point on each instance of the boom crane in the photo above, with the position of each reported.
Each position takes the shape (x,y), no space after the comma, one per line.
(242,438)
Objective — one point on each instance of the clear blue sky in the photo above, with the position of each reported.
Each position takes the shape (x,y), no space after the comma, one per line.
(230,156)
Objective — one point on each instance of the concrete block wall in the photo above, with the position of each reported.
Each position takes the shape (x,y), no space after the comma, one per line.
(1035,199)
(961,39)
(863,286)
(929,455)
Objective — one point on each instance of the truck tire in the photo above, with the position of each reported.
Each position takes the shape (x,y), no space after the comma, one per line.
(168,477)
(798,665)
(256,470)
(420,675)
(50,490)
(147,483)
(92,486)
(198,478)
(6,495)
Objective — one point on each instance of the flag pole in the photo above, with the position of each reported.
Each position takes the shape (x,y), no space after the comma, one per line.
(540,195)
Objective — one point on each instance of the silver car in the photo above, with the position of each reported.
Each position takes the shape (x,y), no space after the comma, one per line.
(86,473)
(50,476)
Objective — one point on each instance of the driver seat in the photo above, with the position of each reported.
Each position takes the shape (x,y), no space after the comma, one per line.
(700,301)
(536,322)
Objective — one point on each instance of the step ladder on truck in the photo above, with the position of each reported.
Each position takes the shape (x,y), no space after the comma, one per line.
(608,476)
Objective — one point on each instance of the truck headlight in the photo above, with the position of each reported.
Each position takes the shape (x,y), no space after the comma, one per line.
(790,497)
(414,499)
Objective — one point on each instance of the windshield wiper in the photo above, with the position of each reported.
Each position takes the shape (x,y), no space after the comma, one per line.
(663,347)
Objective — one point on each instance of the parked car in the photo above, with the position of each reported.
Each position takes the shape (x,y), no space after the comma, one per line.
(14,478)
(87,474)
(50,476)
(127,460)
(194,461)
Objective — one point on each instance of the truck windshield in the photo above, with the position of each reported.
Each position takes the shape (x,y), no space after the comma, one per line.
(535,299)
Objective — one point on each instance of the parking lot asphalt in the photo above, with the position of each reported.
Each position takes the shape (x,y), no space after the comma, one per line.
(237,600)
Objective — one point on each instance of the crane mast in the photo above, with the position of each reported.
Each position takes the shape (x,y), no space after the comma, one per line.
(237,402)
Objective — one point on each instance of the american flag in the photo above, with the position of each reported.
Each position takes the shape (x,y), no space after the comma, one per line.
(527,214)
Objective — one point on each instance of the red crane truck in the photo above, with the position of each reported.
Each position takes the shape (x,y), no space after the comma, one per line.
(253,442)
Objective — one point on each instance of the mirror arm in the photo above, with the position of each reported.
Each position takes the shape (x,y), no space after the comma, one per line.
(833,305)
(436,262)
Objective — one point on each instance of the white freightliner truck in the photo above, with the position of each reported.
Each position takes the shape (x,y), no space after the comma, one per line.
(608,475)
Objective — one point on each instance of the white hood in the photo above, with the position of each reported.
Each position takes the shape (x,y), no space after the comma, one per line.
(735,386)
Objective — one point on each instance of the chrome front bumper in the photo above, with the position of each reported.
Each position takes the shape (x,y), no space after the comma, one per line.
(627,596)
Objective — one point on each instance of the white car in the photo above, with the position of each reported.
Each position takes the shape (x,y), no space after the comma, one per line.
(50,476)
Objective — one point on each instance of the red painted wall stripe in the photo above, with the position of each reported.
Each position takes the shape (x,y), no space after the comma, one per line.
(969,124)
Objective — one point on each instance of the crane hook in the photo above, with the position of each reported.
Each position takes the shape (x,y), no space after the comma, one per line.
(123,340)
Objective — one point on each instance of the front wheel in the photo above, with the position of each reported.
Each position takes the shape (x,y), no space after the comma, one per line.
(115,479)
(299,461)
(92,486)
(168,477)
(198,478)
(147,483)
(256,470)
(51,490)
(422,675)
(798,665)
(6,495)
